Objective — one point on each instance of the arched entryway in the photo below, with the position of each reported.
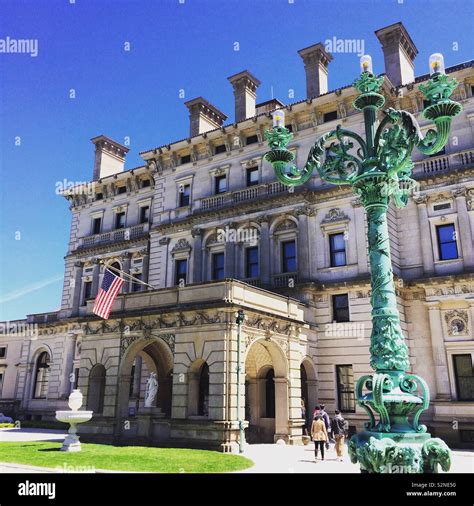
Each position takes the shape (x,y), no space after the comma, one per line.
(309,391)
(96,390)
(266,392)
(143,357)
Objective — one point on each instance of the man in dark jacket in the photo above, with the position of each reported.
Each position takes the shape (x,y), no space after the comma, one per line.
(325,417)
(339,434)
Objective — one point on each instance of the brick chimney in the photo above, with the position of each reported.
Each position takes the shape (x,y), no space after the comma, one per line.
(245,87)
(316,60)
(399,52)
(203,116)
(109,157)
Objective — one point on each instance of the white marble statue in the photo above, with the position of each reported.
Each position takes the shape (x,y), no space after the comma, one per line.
(151,390)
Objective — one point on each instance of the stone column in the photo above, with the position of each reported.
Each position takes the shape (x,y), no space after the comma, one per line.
(425,234)
(145,268)
(361,236)
(303,243)
(197,255)
(78,266)
(464,227)
(264,264)
(95,278)
(443,391)
(69,351)
(229,265)
(281,409)
(127,286)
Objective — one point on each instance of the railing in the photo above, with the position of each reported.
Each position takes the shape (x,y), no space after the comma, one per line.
(444,163)
(285,280)
(42,317)
(122,234)
(253,281)
(250,193)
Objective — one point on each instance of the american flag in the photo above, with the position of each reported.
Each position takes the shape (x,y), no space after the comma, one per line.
(105,299)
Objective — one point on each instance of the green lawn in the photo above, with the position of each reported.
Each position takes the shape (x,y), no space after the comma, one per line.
(123,458)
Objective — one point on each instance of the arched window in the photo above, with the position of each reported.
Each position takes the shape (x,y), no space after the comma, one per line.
(95,393)
(42,376)
(270,394)
(203,406)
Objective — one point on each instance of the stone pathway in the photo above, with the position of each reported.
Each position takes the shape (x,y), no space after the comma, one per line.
(268,458)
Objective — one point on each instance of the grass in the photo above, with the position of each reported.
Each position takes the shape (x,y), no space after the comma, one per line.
(7,425)
(122,458)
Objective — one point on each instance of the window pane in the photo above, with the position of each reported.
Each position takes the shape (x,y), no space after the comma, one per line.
(289,256)
(340,308)
(339,259)
(252,262)
(464,377)
(446,233)
(449,251)
(345,388)
(218,266)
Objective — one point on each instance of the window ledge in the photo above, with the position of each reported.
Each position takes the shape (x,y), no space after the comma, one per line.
(446,262)
(338,268)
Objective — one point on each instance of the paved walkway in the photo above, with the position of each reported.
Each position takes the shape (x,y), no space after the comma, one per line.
(270,458)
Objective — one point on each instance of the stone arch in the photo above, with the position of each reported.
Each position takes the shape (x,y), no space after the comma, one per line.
(155,356)
(266,361)
(198,388)
(96,388)
(278,222)
(309,385)
(41,348)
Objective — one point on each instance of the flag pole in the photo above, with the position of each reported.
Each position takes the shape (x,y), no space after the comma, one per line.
(133,278)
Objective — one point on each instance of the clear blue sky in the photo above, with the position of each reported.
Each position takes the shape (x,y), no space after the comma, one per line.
(135,93)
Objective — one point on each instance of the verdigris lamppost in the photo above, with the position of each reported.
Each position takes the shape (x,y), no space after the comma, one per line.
(378,169)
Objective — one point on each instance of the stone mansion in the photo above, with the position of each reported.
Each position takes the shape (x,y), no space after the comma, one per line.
(205,223)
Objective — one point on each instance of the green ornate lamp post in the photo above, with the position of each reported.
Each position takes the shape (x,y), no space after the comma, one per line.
(378,169)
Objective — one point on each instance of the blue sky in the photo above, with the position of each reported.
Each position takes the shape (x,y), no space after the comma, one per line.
(45,134)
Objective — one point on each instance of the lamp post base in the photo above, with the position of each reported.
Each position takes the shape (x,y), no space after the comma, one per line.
(395,452)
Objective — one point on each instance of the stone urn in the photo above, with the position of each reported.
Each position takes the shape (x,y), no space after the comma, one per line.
(73,417)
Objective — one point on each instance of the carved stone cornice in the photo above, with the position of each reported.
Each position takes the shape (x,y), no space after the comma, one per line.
(335,215)
(181,245)
(305,210)
(164,241)
(420,199)
(459,192)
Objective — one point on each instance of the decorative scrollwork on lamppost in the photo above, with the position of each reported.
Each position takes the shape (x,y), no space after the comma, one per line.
(379,168)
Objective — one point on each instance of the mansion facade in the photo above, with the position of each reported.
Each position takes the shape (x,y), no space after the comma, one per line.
(205,223)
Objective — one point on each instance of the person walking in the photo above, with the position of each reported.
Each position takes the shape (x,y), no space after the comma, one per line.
(319,435)
(325,416)
(339,434)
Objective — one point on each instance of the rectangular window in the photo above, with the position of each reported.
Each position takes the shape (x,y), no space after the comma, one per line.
(87,292)
(184,195)
(144,214)
(99,196)
(252,176)
(252,139)
(218,266)
(3,351)
(440,207)
(96,225)
(464,377)
(337,246)
(121,189)
(186,159)
(146,183)
(137,287)
(220,184)
(330,116)
(447,246)
(288,256)
(251,262)
(120,220)
(345,388)
(340,308)
(181,271)
(220,149)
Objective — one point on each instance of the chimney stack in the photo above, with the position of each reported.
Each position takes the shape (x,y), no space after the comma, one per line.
(316,60)
(245,87)
(399,52)
(203,116)
(109,157)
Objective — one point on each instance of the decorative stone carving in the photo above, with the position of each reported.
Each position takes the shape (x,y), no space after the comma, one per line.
(164,241)
(456,321)
(181,245)
(285,225)
(334,215)
(420,199)
(306,210)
